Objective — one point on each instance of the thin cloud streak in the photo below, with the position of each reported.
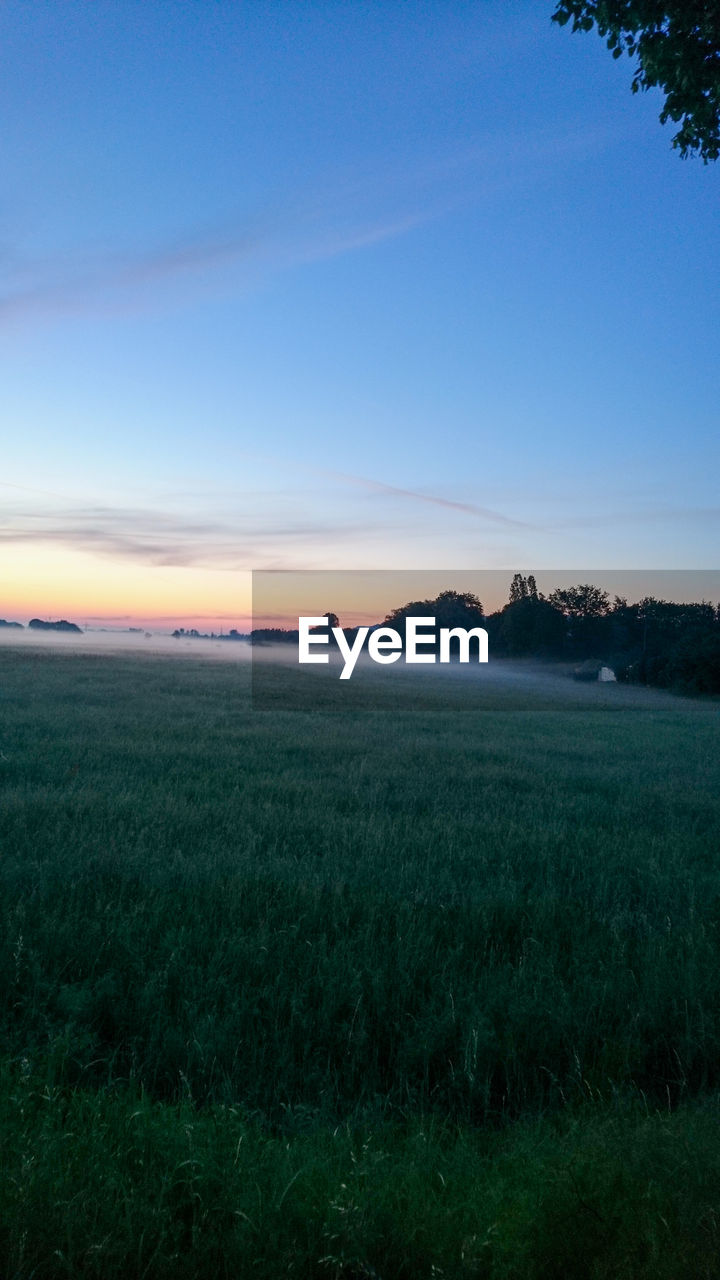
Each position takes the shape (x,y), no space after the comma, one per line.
(84,285)
(272,530)
(468,508)
(165,540)
(260,536)
(323,224)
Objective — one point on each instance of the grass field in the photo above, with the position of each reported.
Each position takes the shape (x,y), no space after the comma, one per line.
(424,985)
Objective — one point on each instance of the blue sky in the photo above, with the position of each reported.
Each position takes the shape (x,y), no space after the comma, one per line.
(326,285)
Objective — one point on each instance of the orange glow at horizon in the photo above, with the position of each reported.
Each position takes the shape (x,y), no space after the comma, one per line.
(49,581)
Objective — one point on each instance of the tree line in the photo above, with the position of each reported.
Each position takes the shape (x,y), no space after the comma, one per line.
(657,642)
(650,641)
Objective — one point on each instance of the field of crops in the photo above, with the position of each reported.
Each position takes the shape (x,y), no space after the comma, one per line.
(421,984)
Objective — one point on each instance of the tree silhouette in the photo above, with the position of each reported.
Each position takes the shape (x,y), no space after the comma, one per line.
(678,50)
(449,609)
(523,588)
(583,601)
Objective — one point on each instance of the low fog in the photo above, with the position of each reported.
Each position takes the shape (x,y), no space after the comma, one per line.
(126,642)
(548,683)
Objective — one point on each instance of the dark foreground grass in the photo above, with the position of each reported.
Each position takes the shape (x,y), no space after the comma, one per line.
(109,1185)
(309,994)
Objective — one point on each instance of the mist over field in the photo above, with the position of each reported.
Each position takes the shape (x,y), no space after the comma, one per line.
(509,684)
(96,642)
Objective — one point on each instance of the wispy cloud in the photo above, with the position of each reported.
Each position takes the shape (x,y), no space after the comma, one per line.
(449,504)
(300,527)
(82,281)
(341,214)
(251,529)
(172,540)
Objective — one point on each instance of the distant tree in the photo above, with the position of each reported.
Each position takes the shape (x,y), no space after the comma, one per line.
(449,609)
(677,43)
(663,621)
(523,588)
(583,601)
(322,630)
(530,626)
(693,664)
(273,635)
(586,610)
(518,589)
(626,627)
(39,624)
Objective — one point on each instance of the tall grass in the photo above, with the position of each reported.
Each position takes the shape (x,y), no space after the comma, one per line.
(282,926)
(110,1185)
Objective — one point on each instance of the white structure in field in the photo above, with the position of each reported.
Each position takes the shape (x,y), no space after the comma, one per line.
(606,673)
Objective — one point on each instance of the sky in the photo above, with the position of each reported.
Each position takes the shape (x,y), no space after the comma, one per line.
(340,286)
